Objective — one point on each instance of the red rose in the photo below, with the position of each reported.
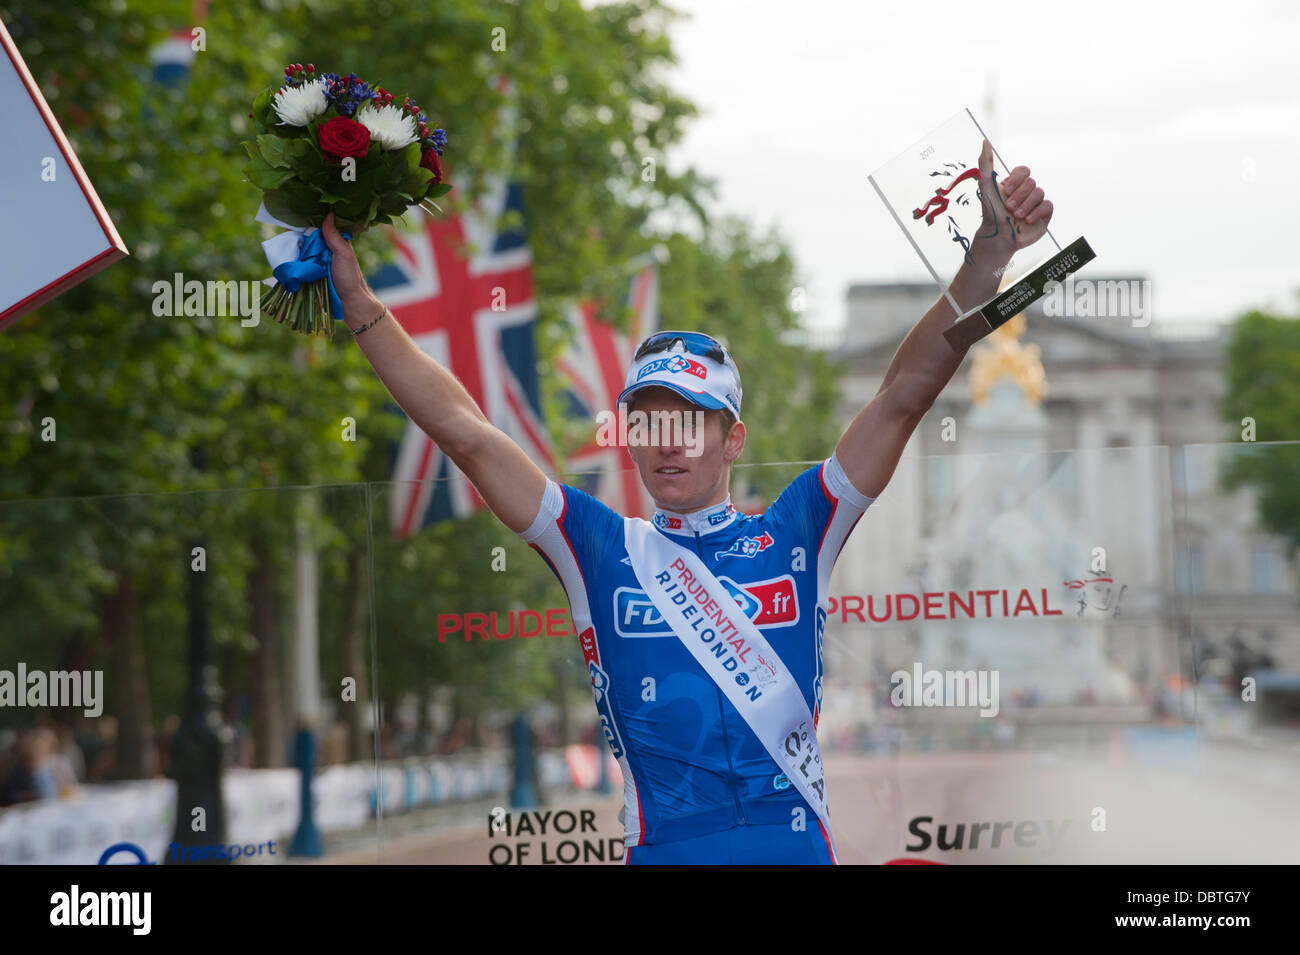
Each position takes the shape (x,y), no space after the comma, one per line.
(429,160)
(344,137)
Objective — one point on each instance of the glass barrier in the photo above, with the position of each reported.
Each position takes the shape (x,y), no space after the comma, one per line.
(174,661)
(1086,656)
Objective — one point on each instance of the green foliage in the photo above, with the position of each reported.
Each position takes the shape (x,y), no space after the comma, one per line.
(446,569)
(133,394)
(1263,382)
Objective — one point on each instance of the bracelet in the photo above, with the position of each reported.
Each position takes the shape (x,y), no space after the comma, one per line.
(358,331)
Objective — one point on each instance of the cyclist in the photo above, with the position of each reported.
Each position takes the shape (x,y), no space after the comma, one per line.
(708,777)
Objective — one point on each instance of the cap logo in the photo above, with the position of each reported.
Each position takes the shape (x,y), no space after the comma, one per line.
(674,365)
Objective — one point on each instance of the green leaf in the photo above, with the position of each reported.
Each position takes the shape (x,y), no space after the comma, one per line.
(273,150)
(264,177)
(351,208)
(371,181)
(300,150)
(438,190)
(264,115)
(278,206)
(297,203)
(357,216)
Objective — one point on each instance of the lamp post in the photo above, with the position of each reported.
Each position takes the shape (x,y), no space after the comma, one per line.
(306,838)
(196,753)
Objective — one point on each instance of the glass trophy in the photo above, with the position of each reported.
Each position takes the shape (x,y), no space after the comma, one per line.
(942,193)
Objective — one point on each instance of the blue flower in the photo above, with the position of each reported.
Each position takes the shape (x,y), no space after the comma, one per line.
(347,93)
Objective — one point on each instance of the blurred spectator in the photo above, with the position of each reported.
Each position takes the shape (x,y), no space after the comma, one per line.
(166,735)
(457,738)
(67,762)
(87,738)
(34,776)
(426,741)
(388,747)
(98,741)
(8,755)
(334,744)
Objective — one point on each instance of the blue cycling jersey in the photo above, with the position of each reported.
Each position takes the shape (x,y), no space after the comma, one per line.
(691,765)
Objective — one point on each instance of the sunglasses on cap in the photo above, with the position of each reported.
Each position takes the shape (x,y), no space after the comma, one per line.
(694,342)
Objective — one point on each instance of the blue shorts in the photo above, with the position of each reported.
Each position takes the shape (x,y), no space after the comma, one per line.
(742,845)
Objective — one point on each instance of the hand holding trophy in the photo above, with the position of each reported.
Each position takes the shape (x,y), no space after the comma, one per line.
(1014,209)
(972,222)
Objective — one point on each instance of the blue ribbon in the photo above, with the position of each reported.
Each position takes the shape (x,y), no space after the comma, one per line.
(312,265)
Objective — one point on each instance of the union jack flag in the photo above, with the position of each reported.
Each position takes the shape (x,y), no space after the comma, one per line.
(462,287)
(595,366)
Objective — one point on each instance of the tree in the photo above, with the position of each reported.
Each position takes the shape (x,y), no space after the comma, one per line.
(97,553)
(132,393)
(1263,372)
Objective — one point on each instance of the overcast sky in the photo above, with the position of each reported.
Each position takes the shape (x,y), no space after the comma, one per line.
(1167,134)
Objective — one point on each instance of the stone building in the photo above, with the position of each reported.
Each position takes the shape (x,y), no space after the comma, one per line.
(1060,435)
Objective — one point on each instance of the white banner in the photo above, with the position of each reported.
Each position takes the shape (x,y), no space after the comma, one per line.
(261,805)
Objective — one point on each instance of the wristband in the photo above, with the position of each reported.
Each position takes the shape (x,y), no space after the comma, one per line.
(358,331)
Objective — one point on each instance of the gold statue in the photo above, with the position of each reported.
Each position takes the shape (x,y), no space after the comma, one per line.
(1003,355)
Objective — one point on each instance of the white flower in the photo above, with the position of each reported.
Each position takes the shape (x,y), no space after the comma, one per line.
(299,105)
(388,125)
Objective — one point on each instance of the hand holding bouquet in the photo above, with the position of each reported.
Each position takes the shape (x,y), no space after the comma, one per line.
(330,143)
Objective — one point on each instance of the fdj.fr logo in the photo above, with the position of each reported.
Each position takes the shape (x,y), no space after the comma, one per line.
(719,517)
(746,547)
(676,364)
(769,603)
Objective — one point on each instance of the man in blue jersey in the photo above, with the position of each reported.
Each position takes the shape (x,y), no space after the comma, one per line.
(701,630)
(698,783)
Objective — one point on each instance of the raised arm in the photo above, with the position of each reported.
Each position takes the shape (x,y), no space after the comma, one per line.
(872,444)
(509,481)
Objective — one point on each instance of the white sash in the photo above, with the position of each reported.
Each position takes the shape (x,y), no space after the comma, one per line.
(732,651)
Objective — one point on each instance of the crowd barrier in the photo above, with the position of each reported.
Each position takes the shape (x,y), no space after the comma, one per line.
(263,805)
(1138,626)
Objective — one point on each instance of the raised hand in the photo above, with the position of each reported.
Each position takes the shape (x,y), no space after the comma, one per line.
(1015,210)
(359,303)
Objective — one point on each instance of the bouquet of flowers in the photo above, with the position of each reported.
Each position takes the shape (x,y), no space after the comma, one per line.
(327,142)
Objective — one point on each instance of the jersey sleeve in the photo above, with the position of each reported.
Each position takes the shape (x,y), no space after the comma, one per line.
(574,532)
(821,507)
